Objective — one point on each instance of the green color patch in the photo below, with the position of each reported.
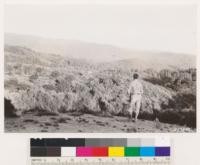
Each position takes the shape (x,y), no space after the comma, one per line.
(132,151)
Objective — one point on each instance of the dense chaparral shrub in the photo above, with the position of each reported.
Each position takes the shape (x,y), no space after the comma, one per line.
(78,86)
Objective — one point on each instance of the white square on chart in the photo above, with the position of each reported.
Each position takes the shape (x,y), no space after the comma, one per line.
(68,151)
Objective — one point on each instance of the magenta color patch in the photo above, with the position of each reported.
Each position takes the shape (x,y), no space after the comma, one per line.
(83,151)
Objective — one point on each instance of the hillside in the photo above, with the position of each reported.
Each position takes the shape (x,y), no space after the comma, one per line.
(51,83)
(99,53)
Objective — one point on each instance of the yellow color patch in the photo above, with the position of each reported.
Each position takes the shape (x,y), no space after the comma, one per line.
(116,151)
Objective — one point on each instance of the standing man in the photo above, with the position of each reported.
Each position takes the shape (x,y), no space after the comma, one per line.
(135,92)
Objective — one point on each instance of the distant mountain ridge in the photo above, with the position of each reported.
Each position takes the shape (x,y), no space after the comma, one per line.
(99,53)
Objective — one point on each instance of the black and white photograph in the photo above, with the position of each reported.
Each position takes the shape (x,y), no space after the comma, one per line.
(88,68)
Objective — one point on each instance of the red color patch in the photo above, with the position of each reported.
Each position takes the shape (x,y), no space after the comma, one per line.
(99,151)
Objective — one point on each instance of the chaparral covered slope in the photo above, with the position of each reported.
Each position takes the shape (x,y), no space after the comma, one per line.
(62,83)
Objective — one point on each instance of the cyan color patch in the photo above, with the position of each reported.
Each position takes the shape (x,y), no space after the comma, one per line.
(147,151)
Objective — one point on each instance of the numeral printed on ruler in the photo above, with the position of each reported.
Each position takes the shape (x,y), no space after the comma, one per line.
(101,161)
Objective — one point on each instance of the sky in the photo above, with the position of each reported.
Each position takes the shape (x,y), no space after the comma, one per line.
(170,28)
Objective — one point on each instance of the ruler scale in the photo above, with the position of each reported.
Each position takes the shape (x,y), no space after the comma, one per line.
(100,151)
(96,161)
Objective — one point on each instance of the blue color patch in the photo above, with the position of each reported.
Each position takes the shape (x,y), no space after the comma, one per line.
(147,151)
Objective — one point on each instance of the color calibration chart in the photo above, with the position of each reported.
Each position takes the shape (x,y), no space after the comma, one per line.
(100,151)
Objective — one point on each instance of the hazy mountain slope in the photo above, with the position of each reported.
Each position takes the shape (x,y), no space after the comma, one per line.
(103,53)
(24,55)
(158,62)
(70,48)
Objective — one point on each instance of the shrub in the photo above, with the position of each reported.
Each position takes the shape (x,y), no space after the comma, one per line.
(33,77)
(10,83)
(37,99)
(54,74)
